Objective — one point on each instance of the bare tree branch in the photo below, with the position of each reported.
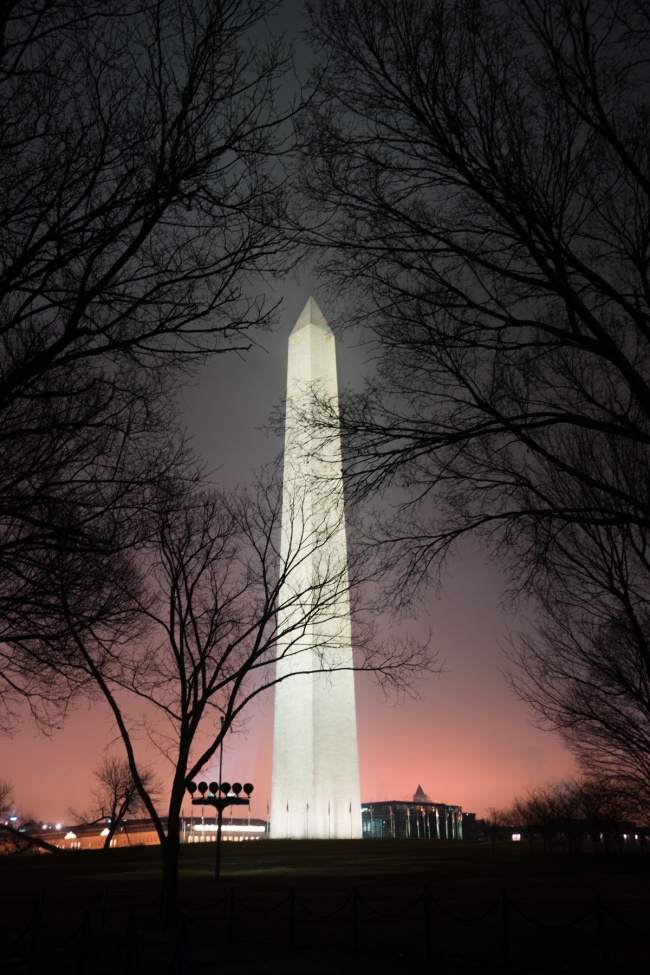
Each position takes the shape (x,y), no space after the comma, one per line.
(214,600)
(142,187)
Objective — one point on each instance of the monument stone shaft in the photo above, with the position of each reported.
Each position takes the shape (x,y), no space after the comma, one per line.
(315,788)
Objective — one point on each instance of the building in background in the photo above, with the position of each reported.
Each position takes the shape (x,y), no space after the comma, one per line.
(141,832)
(417,819)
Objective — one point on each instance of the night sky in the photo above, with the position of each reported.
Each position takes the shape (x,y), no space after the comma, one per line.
(466,740)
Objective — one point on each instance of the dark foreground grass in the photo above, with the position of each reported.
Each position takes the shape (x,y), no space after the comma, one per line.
(306,907)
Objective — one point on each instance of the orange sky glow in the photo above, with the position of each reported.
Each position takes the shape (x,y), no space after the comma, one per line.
(466,740)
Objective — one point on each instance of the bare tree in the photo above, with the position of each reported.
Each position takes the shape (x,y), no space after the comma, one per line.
(213,604)
(524,815)
(585,672)
(481,181)
(572,811)
(141,190)
(604,807)
(496,821)
(544,806)
(116,795)
(483,169)
(567,802)
(6,799)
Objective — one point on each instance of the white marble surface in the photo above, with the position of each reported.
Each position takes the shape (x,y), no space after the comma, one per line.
(315,788)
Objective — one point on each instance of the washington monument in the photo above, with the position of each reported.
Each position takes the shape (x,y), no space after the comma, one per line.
(315,790)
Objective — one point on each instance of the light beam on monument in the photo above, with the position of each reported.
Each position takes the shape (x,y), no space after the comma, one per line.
(315,788)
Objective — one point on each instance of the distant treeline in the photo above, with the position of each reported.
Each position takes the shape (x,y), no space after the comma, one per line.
(568,815)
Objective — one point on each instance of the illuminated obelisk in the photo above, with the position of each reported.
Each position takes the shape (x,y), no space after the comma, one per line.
(315,790)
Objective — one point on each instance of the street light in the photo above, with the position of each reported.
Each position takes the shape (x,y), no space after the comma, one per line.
(230,797)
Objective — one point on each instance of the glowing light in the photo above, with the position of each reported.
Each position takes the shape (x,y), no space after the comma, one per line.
(70,836)
(105,831)
(516,837)
(234,828)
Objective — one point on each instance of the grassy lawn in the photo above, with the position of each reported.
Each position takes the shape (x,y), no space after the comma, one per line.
(293,903)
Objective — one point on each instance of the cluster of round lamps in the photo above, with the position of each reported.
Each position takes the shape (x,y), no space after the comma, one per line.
(226,788)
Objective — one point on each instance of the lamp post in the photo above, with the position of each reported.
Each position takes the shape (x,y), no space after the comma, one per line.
(230,797)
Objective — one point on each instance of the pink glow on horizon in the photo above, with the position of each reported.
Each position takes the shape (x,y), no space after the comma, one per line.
(465,741)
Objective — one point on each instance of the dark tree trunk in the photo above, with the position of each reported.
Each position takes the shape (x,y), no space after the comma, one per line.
(170,906)
(109,836)
(171,848)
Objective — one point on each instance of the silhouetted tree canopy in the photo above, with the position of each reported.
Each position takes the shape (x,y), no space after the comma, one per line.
(194,628)
(574,811)
(141,190)
(480,177)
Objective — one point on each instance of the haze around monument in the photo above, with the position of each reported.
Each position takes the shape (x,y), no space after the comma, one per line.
(465,740)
